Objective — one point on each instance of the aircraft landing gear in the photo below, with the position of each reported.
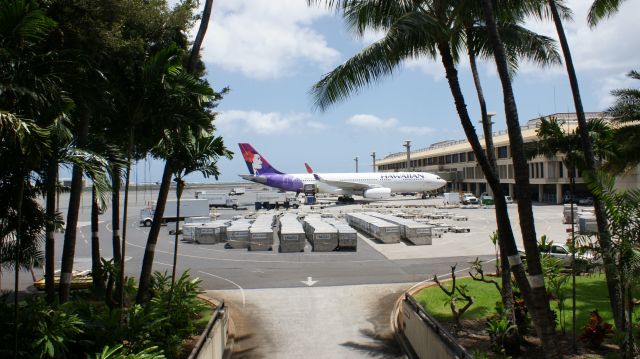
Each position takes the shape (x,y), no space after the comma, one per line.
(345,199)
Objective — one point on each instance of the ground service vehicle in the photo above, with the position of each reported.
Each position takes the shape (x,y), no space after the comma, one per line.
(561,253)
(486,199)
(237,191)
(218,199)
(271,200)
(188,208)
(451,198)
(469,198)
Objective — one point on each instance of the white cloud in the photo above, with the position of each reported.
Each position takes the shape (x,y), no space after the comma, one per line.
(265,39)
(265,123)
(375,123)
(610,47)
(416,130)
(372,122)
(614,82)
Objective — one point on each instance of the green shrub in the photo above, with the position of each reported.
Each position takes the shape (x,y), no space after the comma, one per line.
(501,331)
(44,331)
(118,352)
(168,318)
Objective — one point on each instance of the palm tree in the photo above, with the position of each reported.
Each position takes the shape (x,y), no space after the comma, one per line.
(191,100)
(553,141)
(601,9)
(624,224)
(427,28)
(522,43)
(625,112)
(612,274)
(163,192)
(190,152)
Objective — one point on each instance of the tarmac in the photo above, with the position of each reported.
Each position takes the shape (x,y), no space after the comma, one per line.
(316,305)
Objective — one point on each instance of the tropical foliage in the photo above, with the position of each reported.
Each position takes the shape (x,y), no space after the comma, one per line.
(93,103)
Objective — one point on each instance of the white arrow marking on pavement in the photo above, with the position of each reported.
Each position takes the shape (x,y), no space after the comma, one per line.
(309,282)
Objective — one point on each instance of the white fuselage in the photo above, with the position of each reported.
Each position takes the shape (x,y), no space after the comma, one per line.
(397,182)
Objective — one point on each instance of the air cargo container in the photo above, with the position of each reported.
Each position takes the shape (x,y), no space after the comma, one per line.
(414,232)
(322,236)
(261,233)
(347,236)
(211,233)
(238,234)
(380,229)
(291,234)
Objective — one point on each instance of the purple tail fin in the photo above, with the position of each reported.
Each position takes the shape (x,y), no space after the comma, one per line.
(256,163)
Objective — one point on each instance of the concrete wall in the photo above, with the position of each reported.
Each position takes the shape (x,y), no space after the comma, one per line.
(426,337)
(213,340)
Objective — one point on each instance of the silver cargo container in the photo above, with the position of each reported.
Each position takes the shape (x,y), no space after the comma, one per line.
(347,236)
(322,236)
(380,229)
(415,232)
(261,233)
(211,233)
(291,235)
(238,234)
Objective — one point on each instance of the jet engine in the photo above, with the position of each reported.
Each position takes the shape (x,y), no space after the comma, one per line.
(377,193)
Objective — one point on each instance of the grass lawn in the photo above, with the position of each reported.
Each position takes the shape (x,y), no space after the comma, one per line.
(591,293)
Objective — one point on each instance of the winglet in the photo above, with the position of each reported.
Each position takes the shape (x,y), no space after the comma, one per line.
(315,175)
(309,169)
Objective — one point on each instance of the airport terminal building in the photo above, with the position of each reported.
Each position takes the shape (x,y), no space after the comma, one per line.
(454,161)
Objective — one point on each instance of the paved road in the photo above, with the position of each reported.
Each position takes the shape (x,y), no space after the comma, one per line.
(317,322)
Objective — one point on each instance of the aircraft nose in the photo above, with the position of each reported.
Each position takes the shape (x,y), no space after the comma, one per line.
(442,182)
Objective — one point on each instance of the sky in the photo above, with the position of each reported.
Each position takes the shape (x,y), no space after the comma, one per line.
(271,52)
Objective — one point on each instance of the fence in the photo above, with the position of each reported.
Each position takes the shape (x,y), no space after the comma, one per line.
(213,340)
(426,336)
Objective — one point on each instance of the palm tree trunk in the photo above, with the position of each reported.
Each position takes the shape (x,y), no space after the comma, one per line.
(505,272)
(96,268)
(613,277)
(202,30)
(49,247)
(147,262)
(69,246)
(120,283)
(539,306)
(175,246)
(510,249)
(21,180)
(115,214)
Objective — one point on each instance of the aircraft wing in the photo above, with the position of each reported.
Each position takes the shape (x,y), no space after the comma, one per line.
(348,185)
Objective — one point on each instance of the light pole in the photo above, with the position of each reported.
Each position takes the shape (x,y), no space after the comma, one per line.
(373,155)
(407,144)
(356,159)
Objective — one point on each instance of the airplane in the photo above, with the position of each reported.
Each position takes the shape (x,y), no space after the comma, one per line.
(373,185)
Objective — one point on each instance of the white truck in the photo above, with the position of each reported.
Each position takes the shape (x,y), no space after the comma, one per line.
(271,200)
(451,198)
(188,208)
(237,191)
(218,199)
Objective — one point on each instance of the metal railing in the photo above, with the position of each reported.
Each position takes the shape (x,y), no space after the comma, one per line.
(446,338)
(217,316)
(533,123)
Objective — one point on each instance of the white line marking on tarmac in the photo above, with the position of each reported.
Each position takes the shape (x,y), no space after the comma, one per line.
(108,227)
(230,281)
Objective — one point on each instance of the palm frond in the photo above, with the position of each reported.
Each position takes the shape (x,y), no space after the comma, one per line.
(601,9)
